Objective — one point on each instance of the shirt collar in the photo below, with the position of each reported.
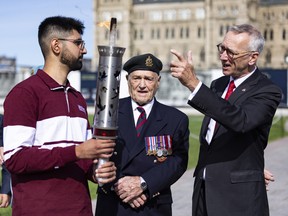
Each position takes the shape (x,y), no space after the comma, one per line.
(147,107)
(240,80)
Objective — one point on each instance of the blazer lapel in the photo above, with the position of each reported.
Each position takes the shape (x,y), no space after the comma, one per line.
(245,86)
(126,130)
(152,127)
(240,90)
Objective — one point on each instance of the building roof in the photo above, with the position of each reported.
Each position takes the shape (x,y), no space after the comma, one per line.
(161,1)
(273,2)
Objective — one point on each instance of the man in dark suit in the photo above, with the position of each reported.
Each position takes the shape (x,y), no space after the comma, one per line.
(229,178)
(5,193)
(150,161)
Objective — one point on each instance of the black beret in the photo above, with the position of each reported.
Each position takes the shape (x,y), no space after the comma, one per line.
(143,62)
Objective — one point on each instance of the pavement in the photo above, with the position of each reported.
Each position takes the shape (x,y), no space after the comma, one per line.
(276,156)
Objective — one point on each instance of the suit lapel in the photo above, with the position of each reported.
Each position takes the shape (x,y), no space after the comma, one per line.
(245,86)
(152,127)
(126,130)
(239,91)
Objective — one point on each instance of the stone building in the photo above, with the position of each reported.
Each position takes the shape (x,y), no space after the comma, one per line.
(157,26)
(199,25)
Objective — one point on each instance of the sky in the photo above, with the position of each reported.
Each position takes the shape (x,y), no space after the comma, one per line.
(19,21)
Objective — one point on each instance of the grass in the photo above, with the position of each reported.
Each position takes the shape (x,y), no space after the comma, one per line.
(277,131)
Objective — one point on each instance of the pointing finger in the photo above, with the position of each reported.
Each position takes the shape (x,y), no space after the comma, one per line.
(190,60)
(177,54)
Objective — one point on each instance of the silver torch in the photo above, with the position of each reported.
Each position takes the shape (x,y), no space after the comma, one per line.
(107,95)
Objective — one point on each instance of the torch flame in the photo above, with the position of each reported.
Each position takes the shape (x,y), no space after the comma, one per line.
(104,24)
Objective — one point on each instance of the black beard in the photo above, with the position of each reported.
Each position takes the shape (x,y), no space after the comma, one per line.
(70,61)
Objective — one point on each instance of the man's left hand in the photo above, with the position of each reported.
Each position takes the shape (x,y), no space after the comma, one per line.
(138,201)
(128,188)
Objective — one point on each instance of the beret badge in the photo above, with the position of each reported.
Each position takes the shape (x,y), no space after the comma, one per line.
(149,62)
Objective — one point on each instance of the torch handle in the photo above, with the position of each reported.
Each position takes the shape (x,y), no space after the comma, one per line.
(100,162)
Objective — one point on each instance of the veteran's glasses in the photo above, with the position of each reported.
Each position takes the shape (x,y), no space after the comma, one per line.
(230,53)
(78,42)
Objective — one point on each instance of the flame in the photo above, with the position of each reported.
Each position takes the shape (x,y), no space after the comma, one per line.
(104,24)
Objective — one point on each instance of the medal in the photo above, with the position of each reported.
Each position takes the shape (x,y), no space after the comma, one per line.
(159,153)
(165,152)
(160,146)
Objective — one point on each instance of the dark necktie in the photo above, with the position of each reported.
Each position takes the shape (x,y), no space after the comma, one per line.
(231,87)
(141,120)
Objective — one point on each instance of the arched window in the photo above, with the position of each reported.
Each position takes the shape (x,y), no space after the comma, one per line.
(202,55)
(221,31)
(284,34)
(271,35)
(268,57)
(265,34)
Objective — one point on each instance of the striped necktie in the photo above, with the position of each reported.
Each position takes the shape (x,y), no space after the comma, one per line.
(141,120)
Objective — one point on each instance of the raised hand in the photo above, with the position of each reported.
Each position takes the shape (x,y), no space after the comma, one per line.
(183,69)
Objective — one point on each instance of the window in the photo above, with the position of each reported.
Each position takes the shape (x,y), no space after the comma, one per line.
(271,35)
(265,34)
(181,32)
(172,33)
(187,32)
(268,57)
(141,36)
(170,15)
(184,14)
(221,31)
(167,33)
(158,34)
(155,16)
(135,34)
(199,31)
(200,13)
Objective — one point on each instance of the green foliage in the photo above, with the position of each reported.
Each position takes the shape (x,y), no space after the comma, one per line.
(93,189)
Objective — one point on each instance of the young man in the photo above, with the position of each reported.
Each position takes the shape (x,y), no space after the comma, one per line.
(152,152)
(47,136)
(229,177)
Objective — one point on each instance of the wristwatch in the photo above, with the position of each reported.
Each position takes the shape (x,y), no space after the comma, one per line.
(143,184)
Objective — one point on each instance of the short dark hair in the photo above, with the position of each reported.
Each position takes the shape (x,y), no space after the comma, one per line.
(57,26)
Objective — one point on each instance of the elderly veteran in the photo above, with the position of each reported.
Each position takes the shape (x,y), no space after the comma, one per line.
(151,151)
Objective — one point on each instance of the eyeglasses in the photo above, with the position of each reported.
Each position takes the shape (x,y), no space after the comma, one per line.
(78,42)
(230,53)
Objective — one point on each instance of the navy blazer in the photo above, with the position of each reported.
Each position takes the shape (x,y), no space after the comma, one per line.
(234,160)
(131,159)
(6,178)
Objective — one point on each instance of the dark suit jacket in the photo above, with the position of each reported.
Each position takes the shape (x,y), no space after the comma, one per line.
(234,160)
(131,159)
(5,186)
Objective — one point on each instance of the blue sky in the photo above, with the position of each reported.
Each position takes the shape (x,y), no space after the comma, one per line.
(19,21)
